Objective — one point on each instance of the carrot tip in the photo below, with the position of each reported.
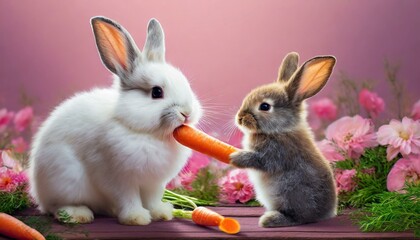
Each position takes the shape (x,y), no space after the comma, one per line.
(230,226)
(16,229)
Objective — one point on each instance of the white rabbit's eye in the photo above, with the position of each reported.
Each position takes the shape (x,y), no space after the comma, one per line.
(157,92)
(264,107)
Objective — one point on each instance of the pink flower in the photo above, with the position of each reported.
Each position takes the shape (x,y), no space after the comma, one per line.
(324,108)
(187,178)
(5,118)
(11,173)
(36,123)
(402,137)
(235,186)
(314,122)
(345,180)
(189,173)
(6,181)
(330,151)
(196,162)
(9,162)
(183,179)
(371,102)
(19,145)
(404,170)
(415,113)
(351,135)
(23,118)
(10,180)
(174,183)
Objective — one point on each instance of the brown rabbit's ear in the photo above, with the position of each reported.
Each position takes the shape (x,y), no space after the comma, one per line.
(288,67)
(310,78)
(115,45)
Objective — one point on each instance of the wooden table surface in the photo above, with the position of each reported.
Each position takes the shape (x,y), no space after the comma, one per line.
(108,228)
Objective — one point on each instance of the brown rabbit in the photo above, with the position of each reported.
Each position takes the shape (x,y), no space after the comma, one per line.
(292,179)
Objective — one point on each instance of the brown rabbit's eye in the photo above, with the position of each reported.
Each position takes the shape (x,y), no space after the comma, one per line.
(157,92)
(264,106)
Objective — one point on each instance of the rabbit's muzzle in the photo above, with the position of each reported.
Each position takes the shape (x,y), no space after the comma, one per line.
(247,120)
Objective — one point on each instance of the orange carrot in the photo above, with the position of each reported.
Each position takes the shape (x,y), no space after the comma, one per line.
(206,217)
(201,142)
(14,228)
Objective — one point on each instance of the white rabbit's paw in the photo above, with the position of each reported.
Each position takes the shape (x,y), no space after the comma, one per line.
(135,217)
(162,211)
(74,214)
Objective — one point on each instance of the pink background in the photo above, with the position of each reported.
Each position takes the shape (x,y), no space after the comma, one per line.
(225,47)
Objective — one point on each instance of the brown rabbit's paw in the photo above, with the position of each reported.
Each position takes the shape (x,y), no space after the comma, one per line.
(237,160)
(274,219)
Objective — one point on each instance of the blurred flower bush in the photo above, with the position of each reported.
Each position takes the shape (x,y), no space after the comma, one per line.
(15,131)
(374,149)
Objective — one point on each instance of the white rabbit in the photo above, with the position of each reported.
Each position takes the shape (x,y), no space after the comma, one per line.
(111,151)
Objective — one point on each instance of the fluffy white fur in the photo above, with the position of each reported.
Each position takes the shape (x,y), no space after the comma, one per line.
(110,151)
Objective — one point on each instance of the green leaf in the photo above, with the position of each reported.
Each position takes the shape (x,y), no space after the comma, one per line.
(204,188)
(253,203)
(41,223)
(11,202)
(392,212)
(372,172)
(345,165)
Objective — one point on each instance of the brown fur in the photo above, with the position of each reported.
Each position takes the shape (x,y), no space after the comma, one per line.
(291,176)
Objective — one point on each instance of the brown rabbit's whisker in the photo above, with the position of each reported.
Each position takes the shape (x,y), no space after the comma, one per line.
(229,128)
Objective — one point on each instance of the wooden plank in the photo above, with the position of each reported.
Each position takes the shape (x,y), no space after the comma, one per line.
(247,224)
(338,224)
(245,235)
(225,211)
(108,228)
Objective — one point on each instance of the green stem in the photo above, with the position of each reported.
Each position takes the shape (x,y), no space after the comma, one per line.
(179,213)
(189,201)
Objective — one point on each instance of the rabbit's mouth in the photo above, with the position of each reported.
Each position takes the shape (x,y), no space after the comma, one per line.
(172,119)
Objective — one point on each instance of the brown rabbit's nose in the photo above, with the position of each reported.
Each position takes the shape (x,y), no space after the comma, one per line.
(247,120)
(240,119)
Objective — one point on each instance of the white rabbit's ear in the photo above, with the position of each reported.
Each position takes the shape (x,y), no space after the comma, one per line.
(154,48)
(288,67)
(310,78)
(115,45)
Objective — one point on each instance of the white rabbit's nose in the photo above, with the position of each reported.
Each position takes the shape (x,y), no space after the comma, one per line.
(186,116)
